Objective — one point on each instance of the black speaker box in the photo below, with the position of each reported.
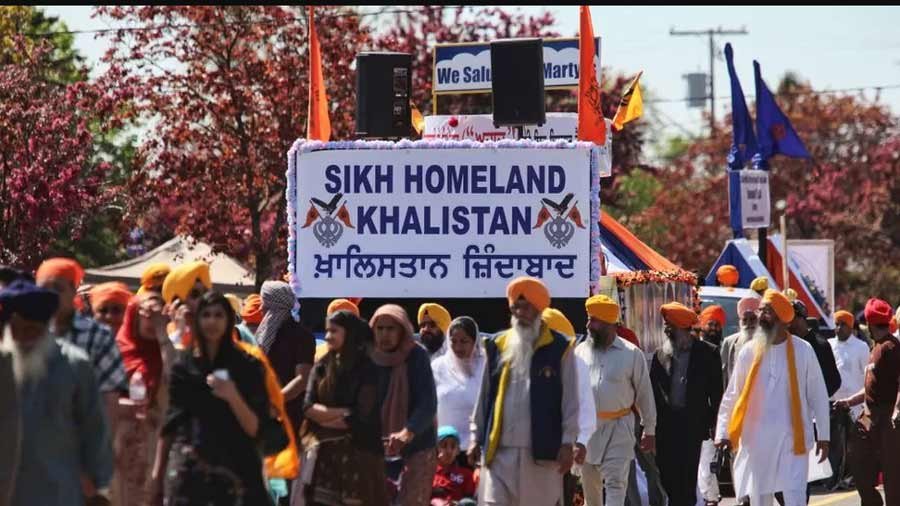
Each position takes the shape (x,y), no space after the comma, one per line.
(517,82)
(383,90)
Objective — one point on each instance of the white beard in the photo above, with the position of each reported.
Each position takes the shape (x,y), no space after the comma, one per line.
(31,365)
(746,335)
(520,346)
(763,339)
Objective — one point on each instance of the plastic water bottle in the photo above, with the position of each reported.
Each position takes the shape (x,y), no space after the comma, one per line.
(137,389)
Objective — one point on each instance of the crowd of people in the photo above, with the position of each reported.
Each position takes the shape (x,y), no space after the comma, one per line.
(178,394)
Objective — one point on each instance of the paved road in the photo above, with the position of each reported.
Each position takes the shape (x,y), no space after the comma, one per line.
(821,499)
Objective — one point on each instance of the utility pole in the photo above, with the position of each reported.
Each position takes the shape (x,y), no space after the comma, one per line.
(711,33)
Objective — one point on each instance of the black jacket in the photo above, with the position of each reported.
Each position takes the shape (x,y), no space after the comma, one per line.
(825,357)
(704,392)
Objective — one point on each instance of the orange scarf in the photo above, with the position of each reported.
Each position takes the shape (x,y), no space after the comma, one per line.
(736,424)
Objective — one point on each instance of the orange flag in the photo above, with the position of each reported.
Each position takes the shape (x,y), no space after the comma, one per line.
(575,216)
(311,216)
(344,215)
(591,126)
(542,217)
(318,126)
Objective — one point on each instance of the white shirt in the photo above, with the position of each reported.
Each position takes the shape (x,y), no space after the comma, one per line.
(456,394)
(765,462)
(852,357)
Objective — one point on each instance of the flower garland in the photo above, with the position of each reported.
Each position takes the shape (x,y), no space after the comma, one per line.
(305,146)
(626,279)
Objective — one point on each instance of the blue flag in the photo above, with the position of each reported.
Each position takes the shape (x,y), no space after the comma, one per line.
(776,134)
(743,143)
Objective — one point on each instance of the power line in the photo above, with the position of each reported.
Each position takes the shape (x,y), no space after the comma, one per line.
(230,23)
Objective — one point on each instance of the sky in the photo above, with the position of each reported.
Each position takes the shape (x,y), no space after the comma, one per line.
(834,48)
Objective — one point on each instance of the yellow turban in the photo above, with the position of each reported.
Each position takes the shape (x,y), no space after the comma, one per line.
(844,316)
(235,302)
(558,322)
(341,305)
(760,284)
(727,275)
(602,308)
(532,289)
(438,314)
(780,304)
(678,315)
(791,294)
(181,280)
(153,277)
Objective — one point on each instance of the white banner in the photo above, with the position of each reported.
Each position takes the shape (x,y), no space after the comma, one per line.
(453,222)
(749,198)
(466,67)
(813,261)
(480,127)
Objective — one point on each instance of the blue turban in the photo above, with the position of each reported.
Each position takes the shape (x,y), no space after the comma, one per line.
(29,301)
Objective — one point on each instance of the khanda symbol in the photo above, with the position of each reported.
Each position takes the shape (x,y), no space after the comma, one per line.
(327,229)
(557,228)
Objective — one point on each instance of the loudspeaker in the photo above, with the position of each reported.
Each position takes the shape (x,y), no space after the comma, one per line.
(383,89)
(517,82)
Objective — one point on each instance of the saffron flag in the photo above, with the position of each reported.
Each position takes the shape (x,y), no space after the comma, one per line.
(318,126)
(542,217)
(743,141)
(575,216)
(591,126)
(776,134)
(416,118)
(311,215)
(631,107)
(344,215)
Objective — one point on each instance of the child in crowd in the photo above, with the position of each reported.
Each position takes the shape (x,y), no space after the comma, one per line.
(452,484)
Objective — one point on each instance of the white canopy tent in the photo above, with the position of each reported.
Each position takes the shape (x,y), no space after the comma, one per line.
(228,275)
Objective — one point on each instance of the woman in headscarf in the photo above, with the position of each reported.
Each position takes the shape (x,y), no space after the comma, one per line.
(218,406)
(147,355)
(409,402)
(457,376)
(289,346)
(342,431)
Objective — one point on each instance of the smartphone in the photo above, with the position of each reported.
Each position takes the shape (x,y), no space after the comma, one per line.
(222,374)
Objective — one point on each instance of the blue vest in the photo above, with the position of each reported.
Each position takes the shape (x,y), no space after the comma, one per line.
(545,395)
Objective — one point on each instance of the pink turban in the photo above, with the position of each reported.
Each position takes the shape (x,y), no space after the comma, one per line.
(747,304)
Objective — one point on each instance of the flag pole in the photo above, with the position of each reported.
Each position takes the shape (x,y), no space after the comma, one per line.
(785,272)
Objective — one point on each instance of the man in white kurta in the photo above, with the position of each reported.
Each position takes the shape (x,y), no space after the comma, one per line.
(767,460)
(618,378)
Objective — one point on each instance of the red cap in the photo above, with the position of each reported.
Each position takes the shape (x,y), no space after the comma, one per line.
(878,312)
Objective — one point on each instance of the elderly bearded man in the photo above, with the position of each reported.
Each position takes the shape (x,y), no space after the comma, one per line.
(767,413)
(66,448)
(526,414)
(618,379)
(731,345)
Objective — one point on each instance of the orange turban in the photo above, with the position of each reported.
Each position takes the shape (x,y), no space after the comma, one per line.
(252,311)
(780,304)
(713,313)
(181,280)
(558,322)
(153,277)
(532,289)
(341,305)
(65,268)
(678,315)
(106,293)
(602,308)
(727,275)
(844,316)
